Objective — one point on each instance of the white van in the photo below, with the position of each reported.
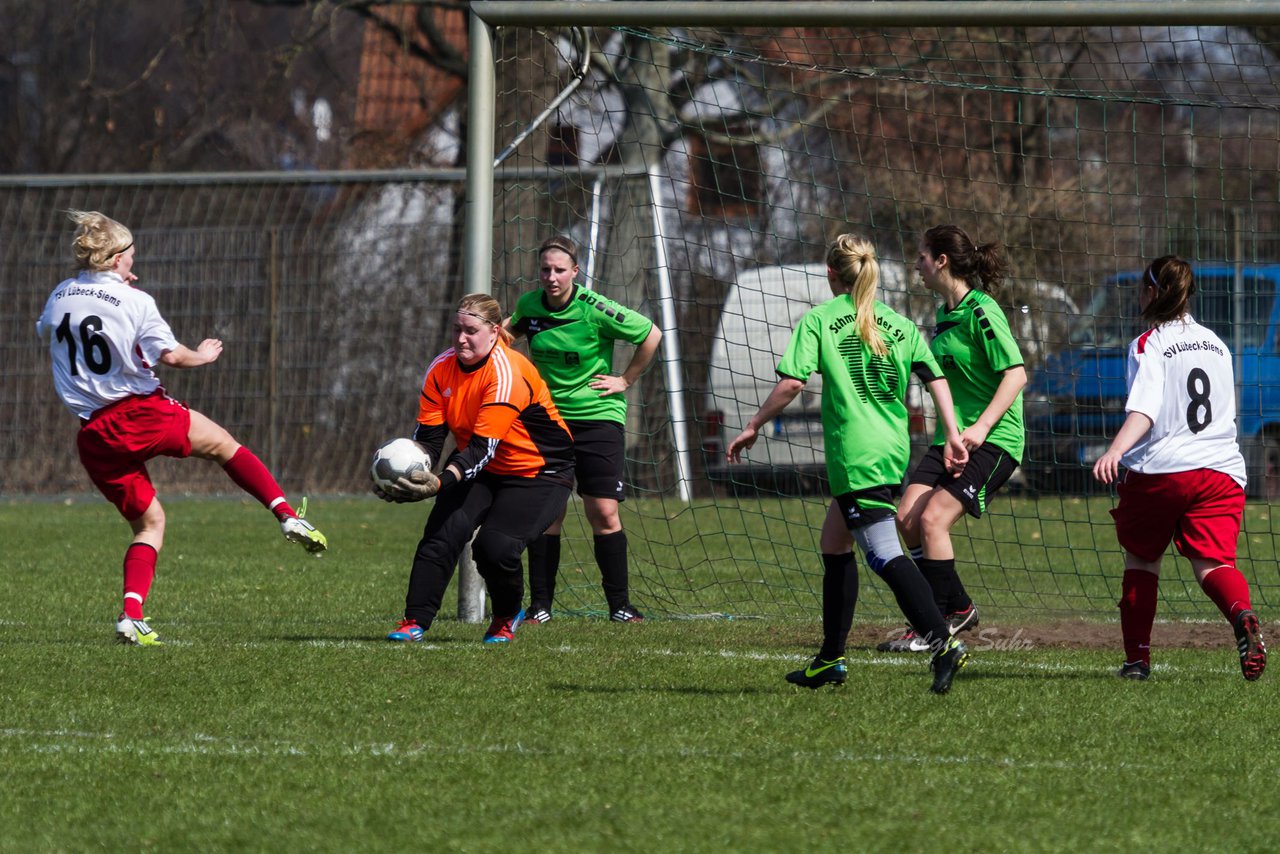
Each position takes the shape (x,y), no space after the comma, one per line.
(760,311)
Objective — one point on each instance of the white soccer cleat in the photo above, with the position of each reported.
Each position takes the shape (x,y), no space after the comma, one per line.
(135,633)
(302,532)
(297,530)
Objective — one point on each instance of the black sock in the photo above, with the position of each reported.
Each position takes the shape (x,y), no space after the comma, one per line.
(611,557)
(839,596)
(544,564)
(935,572)
(506,591)
(948,589)
(915,598)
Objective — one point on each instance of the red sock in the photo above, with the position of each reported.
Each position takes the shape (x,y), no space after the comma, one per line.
(139,572)
(1137,613)
(252,476)
(1228,589)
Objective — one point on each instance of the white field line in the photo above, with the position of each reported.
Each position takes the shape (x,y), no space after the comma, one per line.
(999,661)
(57,742)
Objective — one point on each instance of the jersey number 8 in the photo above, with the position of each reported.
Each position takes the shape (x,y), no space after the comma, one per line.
(1199,410)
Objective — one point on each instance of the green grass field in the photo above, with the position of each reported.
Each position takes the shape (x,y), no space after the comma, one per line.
(276,718)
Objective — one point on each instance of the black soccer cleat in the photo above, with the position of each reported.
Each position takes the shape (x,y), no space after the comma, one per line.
(963,621)
(626,614)
(537,615)
(821,672)
(908,641)
(1135,670)
(1253,652)
(946,663)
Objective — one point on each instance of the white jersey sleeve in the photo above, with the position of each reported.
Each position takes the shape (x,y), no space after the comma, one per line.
(103,337)
(1180,375)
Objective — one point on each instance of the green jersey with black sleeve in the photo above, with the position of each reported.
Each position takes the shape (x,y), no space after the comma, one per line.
(572,344)
(864,414)
(973,344)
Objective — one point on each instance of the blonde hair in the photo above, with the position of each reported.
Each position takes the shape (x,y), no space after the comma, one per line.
(853,260)
(485,307)
(98,240)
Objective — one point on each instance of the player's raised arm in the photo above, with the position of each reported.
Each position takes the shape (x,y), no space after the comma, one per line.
(182,356)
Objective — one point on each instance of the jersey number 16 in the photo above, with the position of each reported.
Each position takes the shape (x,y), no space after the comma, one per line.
(97,355)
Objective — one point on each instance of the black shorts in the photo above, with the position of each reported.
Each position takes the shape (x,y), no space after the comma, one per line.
(865,506)
(598,450)
(987,470)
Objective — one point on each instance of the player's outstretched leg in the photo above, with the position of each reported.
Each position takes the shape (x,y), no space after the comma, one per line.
(250,474)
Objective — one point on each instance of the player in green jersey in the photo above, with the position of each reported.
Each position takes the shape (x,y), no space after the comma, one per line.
(571,332)
(984,368)
(866,353)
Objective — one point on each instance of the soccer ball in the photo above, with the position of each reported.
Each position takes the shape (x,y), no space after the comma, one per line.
(396,459)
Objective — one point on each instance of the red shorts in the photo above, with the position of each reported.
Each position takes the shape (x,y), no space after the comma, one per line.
(1199,511)
(117,441)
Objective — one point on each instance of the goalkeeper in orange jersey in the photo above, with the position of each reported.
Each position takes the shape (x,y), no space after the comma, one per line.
(508,480)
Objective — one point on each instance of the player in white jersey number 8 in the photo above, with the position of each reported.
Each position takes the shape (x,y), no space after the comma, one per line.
(1185,475)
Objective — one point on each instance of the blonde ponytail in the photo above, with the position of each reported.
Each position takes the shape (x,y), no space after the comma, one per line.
(853,260)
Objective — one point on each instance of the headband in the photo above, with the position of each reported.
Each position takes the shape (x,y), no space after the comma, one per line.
(477,316)
(551,244)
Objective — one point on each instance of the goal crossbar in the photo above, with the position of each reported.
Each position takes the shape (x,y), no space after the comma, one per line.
(896,13)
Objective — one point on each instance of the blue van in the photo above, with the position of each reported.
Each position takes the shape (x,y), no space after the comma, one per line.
(1075,402)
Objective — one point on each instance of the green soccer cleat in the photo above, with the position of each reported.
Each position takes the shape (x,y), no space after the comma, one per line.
(135,633)
(298,530)
(821,672)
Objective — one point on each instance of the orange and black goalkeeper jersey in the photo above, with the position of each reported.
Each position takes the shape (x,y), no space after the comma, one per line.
(500,414)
